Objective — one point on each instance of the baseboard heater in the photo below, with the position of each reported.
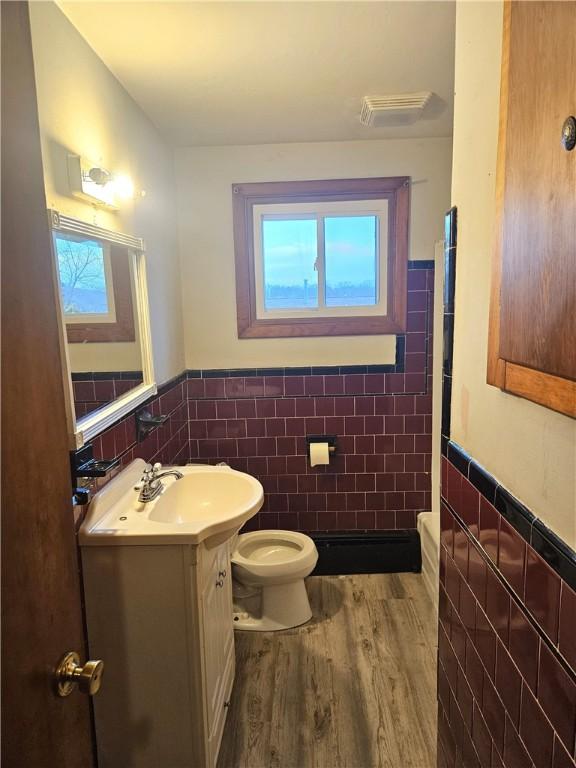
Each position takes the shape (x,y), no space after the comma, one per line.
(371,552)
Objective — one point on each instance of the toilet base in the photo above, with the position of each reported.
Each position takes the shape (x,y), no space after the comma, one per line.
(278,606)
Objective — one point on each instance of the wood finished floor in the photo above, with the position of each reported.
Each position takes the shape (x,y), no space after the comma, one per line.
(354,688)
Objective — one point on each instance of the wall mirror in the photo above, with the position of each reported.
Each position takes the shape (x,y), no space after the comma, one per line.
(100,277)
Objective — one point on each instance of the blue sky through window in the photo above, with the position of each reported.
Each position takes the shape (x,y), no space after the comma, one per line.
(289,249)
(350,256)
(82,274)
(289,254)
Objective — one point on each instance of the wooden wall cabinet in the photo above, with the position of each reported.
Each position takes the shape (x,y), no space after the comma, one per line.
(532,338)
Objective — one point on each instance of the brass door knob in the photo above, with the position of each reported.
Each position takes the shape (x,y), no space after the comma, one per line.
(69,673)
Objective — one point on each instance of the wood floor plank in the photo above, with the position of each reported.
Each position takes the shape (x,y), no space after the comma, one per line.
(353,688)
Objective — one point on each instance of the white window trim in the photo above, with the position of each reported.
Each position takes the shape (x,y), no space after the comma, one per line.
(319,210)
(90,318)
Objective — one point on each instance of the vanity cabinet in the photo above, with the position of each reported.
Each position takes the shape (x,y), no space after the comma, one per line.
(161,617)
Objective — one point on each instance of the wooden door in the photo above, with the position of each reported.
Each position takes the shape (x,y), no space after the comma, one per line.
(533,313)
(41,608)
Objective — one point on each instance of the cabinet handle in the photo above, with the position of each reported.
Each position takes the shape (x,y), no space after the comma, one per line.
(222,574)
(219,583)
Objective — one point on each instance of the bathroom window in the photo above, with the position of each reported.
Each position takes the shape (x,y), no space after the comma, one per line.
(324,259)
(95,289)
(85,276)
(321,258)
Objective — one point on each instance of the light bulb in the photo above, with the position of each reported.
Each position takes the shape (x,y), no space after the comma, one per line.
(99,176)
(123,187)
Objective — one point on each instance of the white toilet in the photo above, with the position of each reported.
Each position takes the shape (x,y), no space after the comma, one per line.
(268,569)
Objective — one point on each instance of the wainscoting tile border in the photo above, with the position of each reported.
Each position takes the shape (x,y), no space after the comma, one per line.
(520,634)
(559,556)
(507,609)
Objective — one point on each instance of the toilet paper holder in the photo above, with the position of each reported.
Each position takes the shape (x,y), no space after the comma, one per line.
(330,439)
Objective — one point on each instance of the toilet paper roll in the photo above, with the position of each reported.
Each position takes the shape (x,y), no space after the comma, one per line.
(319,454)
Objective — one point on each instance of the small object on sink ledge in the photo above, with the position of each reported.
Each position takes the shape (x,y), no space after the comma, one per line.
(80,497)
(146,422)
(97,467)
(85,465)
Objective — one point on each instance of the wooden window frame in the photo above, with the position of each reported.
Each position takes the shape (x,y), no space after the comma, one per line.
(554,392)
(395,190)
(123,330)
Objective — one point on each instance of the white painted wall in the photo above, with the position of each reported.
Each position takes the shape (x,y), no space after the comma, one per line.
(84,110)
(530,449)
(112,356)
(204,179)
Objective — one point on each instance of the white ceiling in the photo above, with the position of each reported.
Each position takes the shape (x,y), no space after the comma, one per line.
(213,73)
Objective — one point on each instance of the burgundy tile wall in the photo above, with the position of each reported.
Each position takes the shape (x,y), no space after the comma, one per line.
(507,642)
(91,392)
(380,476)
(167,444)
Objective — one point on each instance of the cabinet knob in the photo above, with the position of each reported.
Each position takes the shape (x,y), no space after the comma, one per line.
(222,574)
(219,583)
(569,133)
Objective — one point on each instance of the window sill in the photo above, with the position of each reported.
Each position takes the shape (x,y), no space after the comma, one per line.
(326,326)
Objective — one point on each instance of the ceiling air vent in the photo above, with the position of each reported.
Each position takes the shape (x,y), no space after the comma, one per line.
(398,109)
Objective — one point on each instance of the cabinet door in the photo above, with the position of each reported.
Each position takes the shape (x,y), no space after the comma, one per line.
(212,609)
(218,636)
(533,311)
(227,626)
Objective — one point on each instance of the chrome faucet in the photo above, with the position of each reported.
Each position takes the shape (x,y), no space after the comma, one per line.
(150,485)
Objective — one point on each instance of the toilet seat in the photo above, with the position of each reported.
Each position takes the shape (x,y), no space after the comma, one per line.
(266,554)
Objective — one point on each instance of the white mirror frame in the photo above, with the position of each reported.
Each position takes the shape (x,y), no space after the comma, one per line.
(84,429)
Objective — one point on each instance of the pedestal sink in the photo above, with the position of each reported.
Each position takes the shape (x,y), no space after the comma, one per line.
(209,504)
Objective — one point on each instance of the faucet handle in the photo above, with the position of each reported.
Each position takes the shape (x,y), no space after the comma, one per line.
(147,475)
(143,480)
(154,471)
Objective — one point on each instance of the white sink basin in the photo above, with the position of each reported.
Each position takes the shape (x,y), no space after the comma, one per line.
(206,494)
(209,504)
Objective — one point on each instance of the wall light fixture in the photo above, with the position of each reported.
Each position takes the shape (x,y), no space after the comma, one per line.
(98,185)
